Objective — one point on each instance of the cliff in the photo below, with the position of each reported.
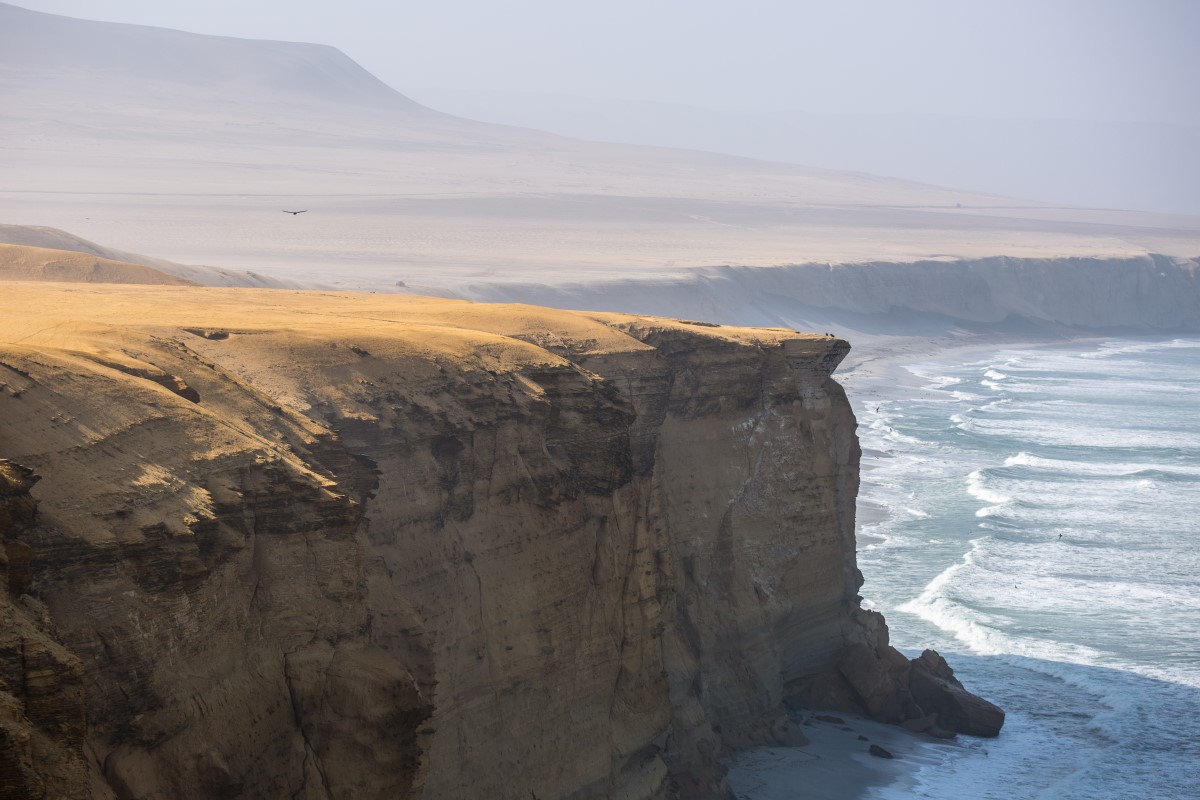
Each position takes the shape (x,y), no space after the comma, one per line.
(1149,292)
(318,545)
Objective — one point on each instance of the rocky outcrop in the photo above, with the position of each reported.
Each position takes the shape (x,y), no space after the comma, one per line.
(394,548)
(874,679)
(935,688)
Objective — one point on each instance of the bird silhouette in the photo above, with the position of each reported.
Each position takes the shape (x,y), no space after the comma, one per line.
(294,213)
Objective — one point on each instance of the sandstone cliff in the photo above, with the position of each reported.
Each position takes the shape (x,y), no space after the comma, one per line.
(324,545)
(41,698)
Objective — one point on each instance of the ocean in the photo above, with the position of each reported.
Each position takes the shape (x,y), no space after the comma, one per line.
(1033,513)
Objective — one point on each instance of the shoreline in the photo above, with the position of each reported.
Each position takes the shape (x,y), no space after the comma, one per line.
(836,763)
(874,356)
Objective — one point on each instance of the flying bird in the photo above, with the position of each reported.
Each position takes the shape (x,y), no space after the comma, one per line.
(294,213)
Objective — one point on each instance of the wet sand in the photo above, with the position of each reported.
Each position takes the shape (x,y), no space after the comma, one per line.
(836,764)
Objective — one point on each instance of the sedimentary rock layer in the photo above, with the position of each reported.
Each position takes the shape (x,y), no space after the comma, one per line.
(326,545)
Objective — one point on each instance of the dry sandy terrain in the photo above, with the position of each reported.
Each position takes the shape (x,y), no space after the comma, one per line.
(45,315)
(193,159)
(18,263)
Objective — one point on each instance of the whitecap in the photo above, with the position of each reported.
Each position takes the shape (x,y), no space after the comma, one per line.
(1110,349)
(1098,469)
(991,511)
(977,489)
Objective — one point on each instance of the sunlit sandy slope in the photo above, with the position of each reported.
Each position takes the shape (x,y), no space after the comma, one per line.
(18,263)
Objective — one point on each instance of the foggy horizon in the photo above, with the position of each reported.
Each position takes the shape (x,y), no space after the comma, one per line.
(1080,104)
(1081,61)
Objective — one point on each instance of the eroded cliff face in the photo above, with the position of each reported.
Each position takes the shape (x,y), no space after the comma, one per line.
(41,697)
(302,545)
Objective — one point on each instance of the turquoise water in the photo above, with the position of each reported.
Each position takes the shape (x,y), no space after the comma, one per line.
(1034,515)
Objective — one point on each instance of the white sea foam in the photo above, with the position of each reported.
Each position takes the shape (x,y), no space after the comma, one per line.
(1101,469)
(941,381)
(890,434)
(1025,429)
(1111,349)
(990,511)
(976,488)
(1078,583)
(939,604)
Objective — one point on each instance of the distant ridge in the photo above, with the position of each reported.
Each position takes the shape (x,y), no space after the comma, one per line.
(35,238)
(139,55)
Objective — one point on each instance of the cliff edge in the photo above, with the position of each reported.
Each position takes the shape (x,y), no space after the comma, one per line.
(333,545)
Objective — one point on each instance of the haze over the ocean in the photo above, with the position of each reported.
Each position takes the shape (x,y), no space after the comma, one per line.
(1085,103)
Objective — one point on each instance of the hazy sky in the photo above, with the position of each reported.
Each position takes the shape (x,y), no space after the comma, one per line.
(1073,59)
